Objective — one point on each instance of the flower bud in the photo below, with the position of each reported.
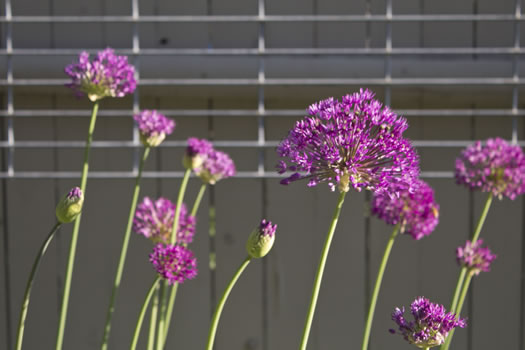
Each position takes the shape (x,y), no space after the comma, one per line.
(70,206)
(261,240)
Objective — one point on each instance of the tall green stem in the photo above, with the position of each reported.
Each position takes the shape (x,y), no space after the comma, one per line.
(222,301)
(29,285)
(180,198)
(153,320)
(462,297)
(163,296)
(320,271)
(74,235)
(143,312)
(123,251)
(173,295)
(377,287)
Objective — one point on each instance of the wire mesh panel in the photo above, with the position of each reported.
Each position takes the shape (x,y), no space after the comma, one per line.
(240,73)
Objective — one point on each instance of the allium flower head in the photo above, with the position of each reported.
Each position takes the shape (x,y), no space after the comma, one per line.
(353,143)
(475,257)
(70,205)
(154,220)
(497,167)
(107,75)
(431,323)
(261,239)
(174,263)
(217,166)
(416,211)
(196,153)
(153,127)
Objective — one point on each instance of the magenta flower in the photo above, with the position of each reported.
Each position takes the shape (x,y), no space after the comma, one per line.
(416,211)
(154,220)
(174,263)
(356,142)
(475,257)
(207,163)
(495,167)
(431,323)
(153,127)
(107,75)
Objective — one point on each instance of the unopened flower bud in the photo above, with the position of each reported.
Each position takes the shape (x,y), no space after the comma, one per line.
(70,206)
(261,240)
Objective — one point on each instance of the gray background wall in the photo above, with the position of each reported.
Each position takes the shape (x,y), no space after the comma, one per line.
(481,98)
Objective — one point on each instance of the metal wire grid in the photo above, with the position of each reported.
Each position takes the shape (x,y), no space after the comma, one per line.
(387,81)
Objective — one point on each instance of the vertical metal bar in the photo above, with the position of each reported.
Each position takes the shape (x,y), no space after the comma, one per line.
(471,224)
(261,136)
(136,96)
(388,57)
(515,71)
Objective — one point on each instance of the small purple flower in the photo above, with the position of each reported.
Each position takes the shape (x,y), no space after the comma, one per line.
(431,323)
(475,257)
(196,153)
(261,239)
(154,220)
(154,127)
(217,166)
(495,167)
(356,142)
(108,75)
(174,263)
(416,211)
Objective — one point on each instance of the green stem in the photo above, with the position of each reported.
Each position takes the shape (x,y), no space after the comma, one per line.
(377,287)
(180,197)
(29,285)
(222,301)
(162,314)
(174,289)
(320,271)
(459,285)
(123,251)
(462,297)
(142,313)
(74,236)
(198,199)
(153,320)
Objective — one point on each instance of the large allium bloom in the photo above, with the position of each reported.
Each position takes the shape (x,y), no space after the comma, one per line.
(107,75)
(356,142)
(153,127)
(174,263)
(154,220)
(416,211)
(475,257)
(261,239)
(431,323)
(497,167)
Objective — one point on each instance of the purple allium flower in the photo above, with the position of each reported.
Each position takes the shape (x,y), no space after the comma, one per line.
(495,167)
(475,257)
(431,323)
(416,210)
(218,165)
(196,153)
(108,75)
(154,220)
(356,142)
(261,239)
(174,263)
(154,127)
(70,206)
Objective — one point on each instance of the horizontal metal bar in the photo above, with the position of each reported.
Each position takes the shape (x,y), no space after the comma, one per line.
(400,51)
(268,18)
(126,113)
(225,143)
(290,81)
(39,175)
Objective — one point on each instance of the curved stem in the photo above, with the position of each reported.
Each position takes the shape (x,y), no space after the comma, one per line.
(197,202)
(29,285)
(153,320)
(143,312)
(222,301)
(462,297)
(123,251)
(74,235)
(180,198)
(320,271)
(377,287)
